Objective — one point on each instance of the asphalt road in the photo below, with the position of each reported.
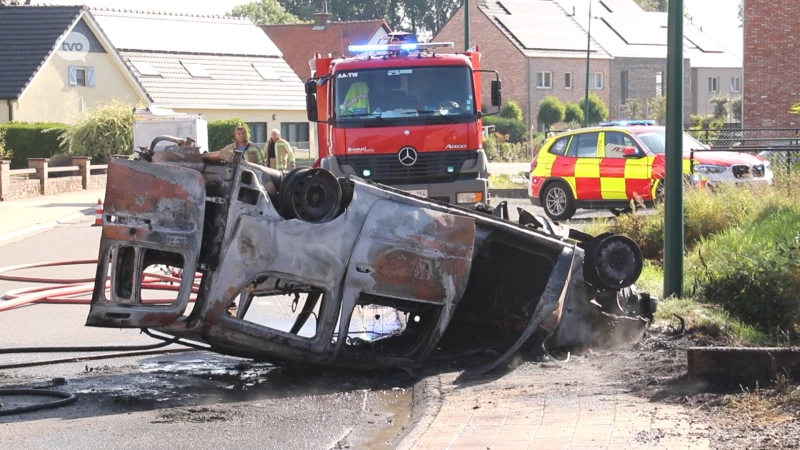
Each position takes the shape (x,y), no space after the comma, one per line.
(185,400)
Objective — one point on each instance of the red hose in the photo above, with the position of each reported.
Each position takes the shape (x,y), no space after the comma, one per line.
(66,290)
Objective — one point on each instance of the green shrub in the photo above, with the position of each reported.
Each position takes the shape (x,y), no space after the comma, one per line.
(511,110)
(499,149)
(515,129)
(598,111)
(4,154)
(220,132)
(551,111)
(573,114)
(25,140)
(754,271)
(102,131)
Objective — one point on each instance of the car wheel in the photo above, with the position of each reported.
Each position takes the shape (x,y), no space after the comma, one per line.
(557,201)
(660,192)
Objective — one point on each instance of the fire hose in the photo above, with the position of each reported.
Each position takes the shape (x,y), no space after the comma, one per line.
(68,291)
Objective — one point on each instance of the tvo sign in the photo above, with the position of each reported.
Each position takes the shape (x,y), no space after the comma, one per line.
(75,47)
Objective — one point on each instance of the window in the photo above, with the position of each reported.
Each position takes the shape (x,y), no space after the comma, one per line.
(559,147)
(544,80)
(81,76)
(736,84)
(713,84)
(659,84)
(258,132)
(597,80)
(296,134)
(623,77)
(584,145)
(616,142)
(266,72)
(568,80)
(196,70)
(145,68)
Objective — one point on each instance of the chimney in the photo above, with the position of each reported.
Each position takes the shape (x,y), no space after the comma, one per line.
(322,19)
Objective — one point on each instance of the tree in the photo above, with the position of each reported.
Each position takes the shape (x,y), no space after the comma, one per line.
(736,109)
(573,113)
(632,109)
(720,108)
(264,12)
(660,6)
(657,109)
(741,13)
(551,111)
(511,110)
(598,111)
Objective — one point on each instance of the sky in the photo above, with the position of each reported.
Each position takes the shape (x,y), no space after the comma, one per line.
(718,17)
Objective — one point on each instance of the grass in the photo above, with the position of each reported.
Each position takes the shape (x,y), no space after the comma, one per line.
(503,181)
(701,317)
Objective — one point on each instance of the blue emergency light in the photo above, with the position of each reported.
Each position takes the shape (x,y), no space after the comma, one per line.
(396,47)
(627,123)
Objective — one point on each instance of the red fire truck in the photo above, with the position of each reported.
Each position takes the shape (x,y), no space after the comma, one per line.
(404,116)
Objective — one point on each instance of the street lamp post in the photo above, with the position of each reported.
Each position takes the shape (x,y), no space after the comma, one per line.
(588,52)
(466,25)
(673,208)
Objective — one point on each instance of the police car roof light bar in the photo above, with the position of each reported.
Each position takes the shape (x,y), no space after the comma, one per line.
(395,47)
(627,123)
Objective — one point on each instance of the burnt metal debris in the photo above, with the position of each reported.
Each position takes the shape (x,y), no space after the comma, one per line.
(304,267)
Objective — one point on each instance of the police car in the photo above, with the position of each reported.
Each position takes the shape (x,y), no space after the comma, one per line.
(606,167)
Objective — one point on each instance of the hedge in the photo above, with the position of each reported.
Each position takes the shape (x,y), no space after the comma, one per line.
(515,129)
(32,140)
(220,132)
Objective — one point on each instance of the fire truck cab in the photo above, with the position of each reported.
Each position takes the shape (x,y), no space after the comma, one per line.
(402,115)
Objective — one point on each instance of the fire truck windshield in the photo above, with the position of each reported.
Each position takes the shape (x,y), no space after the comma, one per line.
(404,96)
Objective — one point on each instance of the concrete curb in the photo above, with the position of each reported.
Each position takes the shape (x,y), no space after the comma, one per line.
(42,227)
(427,402)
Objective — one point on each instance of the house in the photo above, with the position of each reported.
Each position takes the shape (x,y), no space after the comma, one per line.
(772,81)
(538,49)
(69,59)
(299,42)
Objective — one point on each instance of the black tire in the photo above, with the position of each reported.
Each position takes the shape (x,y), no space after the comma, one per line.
(557,201)
(660,192)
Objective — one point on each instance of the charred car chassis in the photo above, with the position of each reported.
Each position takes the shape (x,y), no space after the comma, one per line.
(380,278)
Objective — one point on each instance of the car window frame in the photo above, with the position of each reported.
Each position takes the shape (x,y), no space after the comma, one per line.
(575,139)
(627,134)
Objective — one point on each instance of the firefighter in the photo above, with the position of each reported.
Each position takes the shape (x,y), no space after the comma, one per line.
(241,144)
(280,155)
(356,102)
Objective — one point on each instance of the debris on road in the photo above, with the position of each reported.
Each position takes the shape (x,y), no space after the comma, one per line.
(388,277)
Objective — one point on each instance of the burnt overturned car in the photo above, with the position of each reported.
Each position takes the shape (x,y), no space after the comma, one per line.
(308,268)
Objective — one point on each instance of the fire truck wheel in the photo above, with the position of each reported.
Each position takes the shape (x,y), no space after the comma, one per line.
(557,201)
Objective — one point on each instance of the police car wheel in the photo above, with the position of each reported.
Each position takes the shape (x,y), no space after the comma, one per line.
(557,202)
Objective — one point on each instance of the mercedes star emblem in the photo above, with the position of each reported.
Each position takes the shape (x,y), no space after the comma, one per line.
(407,156)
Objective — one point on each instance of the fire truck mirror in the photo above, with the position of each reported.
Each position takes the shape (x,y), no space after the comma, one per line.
(311,87)
(311,108)
(497,99)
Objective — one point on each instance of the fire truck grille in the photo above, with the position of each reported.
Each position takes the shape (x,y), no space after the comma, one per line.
(429,167)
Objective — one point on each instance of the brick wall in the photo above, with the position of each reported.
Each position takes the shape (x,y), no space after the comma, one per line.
(497,53)
(22,188)
(97,182)
(642,82)
(771,68)
(63,184)
(559,67)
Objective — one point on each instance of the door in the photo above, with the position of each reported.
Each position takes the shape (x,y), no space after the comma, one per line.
(584,148)
(624,177)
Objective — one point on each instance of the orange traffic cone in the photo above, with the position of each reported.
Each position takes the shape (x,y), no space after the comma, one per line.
(98,215)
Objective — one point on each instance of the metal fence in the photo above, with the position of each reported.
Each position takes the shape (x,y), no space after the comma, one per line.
(779,146)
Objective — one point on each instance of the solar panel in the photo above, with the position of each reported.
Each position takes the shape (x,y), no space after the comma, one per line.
(180,34)
(546,32)
(621,6)
(637,30)
(701,40)
(531,8)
